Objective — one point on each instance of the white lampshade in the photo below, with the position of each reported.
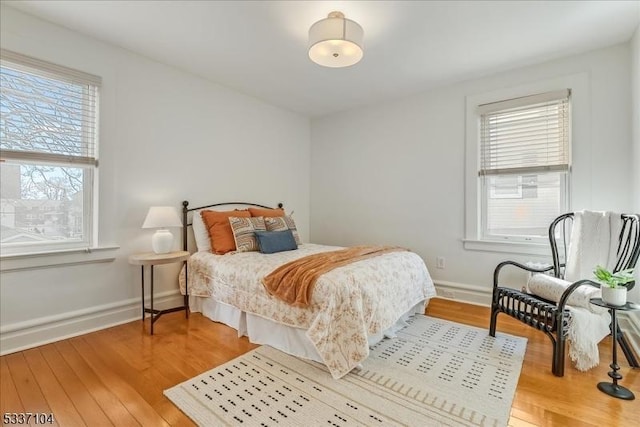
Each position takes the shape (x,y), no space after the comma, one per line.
(162,217)
(335,41)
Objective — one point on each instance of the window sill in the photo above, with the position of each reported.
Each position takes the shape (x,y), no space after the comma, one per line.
(540,249)
(52,259)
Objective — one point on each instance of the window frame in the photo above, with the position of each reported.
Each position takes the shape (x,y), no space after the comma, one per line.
(579,86)
(89,165)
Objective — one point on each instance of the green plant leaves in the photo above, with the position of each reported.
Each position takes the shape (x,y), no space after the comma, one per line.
(613,280)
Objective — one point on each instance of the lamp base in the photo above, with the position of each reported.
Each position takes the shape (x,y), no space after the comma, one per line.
(162,241)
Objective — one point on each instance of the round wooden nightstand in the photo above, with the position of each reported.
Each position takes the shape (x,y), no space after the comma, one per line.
(152,259)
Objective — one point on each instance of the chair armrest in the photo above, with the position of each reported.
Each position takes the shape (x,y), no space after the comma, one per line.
(499,267)
(567,293)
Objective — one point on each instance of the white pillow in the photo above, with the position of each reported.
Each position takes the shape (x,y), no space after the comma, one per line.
(203,242)
(551,288)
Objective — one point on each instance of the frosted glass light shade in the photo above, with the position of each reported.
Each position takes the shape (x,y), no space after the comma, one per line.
(336,41)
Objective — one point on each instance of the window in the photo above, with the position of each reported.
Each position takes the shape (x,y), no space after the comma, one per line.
(524,165)
(48,149)
(505,187)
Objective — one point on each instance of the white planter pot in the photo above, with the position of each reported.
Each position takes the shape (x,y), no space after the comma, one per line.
(614,296)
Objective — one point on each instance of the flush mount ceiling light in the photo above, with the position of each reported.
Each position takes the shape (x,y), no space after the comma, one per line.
(335,41)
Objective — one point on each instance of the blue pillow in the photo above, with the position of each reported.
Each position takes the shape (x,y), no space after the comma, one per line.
(276,241)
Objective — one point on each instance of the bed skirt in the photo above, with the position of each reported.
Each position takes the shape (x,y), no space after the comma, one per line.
(263,331)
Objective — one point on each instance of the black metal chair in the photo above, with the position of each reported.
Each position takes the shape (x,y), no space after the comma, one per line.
(552,317)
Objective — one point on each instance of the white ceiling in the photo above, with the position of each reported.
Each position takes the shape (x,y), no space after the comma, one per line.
(260,47)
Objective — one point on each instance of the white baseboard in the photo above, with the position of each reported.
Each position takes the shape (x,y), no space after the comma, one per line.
(44,330)
(462,292)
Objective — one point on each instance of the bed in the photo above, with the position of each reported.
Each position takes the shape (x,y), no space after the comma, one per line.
(352,307)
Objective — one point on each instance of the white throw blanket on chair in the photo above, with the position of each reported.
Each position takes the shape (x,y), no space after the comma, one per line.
(594,241)
(586,330)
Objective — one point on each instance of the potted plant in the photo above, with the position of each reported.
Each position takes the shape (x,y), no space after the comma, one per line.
(613,287)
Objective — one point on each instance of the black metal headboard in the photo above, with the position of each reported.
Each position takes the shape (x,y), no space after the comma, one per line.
(186,209)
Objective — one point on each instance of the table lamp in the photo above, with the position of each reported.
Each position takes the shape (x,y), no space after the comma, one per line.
(162,217)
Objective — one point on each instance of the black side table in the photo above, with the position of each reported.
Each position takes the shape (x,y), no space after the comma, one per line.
(613,389)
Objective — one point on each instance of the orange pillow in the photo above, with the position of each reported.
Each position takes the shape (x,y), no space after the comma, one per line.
(269,213)
(219,229)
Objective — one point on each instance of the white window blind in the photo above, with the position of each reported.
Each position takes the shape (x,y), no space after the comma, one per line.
(49,112)
(49,152)
(525,135)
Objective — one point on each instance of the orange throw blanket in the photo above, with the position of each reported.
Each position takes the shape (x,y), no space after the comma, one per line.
(294,281)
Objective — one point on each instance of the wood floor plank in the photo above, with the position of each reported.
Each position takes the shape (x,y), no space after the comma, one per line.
(517,422)
(125,370)
(9,399)
(131,398)
(142,376)
(89,409)
(26,385)
(57,398)
(142,373)
(179,356)
(108,402)
(523,416)
(172,415)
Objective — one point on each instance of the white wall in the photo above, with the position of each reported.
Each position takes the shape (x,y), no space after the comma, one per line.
(166,136)
(634,294)
(394,173)
(635,111)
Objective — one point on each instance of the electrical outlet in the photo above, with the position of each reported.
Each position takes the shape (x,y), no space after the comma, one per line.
(440,262)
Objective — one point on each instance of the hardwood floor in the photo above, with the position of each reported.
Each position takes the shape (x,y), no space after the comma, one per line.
(116,376)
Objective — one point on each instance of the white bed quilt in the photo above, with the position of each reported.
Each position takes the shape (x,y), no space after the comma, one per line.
(348,303)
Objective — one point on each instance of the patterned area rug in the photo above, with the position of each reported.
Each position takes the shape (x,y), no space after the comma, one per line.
(435,372)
